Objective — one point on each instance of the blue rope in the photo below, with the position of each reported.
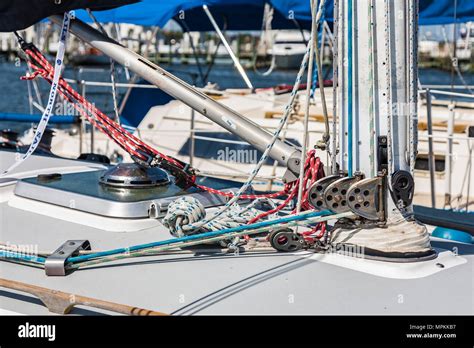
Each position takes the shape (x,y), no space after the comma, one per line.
(314,82)
(284,220)
(19,256)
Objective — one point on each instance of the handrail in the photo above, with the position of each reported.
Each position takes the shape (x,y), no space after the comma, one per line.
(454,94)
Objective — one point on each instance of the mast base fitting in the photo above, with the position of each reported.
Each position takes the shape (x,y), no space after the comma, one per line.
(399,239)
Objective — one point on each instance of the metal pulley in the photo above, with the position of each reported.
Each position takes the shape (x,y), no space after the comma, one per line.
(366,198)
(316,192)
(403,187)
(286,240)
(335,195)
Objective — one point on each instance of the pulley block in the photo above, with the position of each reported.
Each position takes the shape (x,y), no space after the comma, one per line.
(403,187)
(335,195)
(286,240)
(316,192)
(366,198)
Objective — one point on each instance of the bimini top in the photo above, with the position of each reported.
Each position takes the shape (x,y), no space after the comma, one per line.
(229,14)
(248,14)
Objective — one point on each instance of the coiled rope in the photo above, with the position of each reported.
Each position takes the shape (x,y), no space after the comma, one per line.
(188,210)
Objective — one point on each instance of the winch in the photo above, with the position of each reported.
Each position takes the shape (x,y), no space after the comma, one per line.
(132,175)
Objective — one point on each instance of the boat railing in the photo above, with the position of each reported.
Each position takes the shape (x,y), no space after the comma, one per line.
(449,138)
(427,90)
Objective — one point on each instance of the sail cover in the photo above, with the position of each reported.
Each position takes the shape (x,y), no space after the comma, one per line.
(20,14)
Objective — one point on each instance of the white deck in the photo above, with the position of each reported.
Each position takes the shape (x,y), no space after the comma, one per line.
(250,283)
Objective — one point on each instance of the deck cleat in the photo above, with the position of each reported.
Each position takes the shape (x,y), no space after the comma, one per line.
(335,195)
(316,192)
(366,199)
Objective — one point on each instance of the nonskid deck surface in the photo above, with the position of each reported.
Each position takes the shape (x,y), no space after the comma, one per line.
(256,282)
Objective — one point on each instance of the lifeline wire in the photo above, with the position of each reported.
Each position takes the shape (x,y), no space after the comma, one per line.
(306,114)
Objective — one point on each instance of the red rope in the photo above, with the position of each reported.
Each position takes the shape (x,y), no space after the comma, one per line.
(314,171)
(120,135)
(136,147)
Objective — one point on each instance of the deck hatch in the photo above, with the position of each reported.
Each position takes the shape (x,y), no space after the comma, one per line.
(83,191)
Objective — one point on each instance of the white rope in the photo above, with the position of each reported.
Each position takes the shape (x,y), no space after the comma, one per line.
(51,99)
(188,210)
(265,37)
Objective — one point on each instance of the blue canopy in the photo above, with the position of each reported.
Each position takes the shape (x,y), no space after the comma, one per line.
(247,14)
(434,12)
(229,14)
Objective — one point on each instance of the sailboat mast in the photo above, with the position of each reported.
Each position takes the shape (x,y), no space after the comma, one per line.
(377,94)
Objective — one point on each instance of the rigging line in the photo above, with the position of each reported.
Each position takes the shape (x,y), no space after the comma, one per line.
(349,87)
(300,28)
(216,50)
(454,63)
(118,36)
(308,95)
(265,33)
(324,143)
(264,156)
(388,76)
(135,77)
(52,94)
(125,138)
(370,8)
(120,253)
(413,82)
(112,68)
(454,58)
(235,59)
(335,79)
(193,48)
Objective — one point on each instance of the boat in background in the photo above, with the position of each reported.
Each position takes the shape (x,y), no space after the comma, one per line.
(288,48)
